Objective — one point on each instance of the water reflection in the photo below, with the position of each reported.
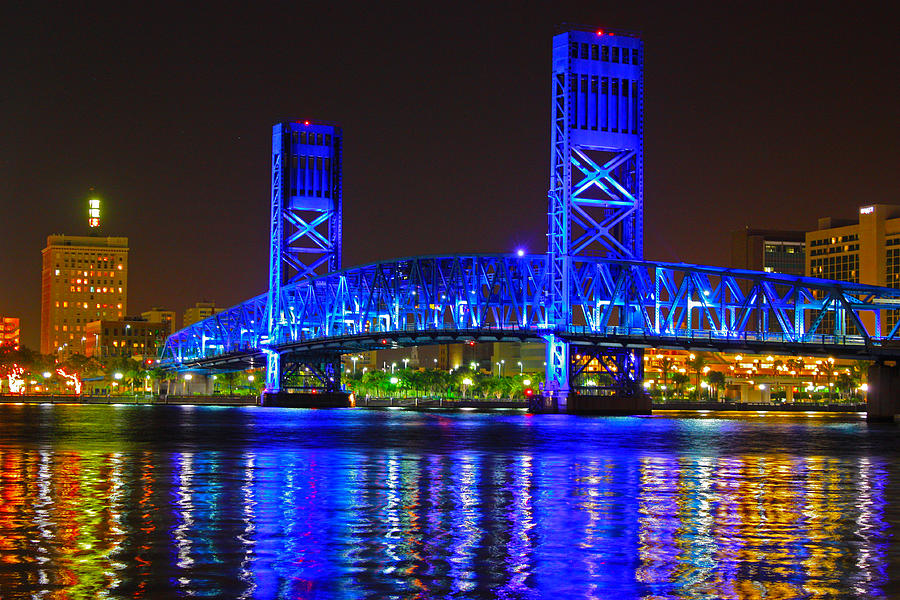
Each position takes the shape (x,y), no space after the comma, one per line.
(368,505)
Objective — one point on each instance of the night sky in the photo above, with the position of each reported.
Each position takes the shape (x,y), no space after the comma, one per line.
(769,114)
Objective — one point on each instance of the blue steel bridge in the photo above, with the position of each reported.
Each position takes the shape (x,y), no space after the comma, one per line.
(591,298)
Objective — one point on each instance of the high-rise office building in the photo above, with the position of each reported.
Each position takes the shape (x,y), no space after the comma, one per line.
(83,279)
(772,251)
(866,250)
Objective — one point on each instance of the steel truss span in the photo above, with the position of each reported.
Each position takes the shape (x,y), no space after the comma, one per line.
(590,298)
(617,303)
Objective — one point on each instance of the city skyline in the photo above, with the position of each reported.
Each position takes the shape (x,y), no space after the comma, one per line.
(446,141)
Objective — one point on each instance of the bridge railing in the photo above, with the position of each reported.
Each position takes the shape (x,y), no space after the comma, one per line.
(694,337)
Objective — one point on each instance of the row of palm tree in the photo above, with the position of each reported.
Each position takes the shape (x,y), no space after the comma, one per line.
(460,383)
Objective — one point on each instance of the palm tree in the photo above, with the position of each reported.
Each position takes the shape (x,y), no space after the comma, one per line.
(859,371)
(696,363)
(230,378)
(156,375)
(679,380)
(845,383)
(716,379)
(665,366)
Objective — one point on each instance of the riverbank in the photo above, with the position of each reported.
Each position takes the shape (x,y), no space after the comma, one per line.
(422,403)
(135,399)
(758,406)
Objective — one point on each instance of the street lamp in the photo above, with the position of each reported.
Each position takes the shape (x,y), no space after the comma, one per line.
(521,368)
(393,366)
(354,359)
(405,363)
(474,364)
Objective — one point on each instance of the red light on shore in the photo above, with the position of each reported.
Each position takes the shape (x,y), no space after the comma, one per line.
(599,32)
(306,122)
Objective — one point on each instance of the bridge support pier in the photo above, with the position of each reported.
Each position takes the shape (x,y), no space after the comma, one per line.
(615,376)
(273,372)
(326,368)
(883,396)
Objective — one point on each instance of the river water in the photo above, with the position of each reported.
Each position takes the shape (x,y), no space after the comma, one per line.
(170,502)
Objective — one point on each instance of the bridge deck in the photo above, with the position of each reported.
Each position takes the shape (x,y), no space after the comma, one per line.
(621,303)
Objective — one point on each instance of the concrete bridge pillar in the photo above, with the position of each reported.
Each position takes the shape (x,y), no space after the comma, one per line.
(883,396)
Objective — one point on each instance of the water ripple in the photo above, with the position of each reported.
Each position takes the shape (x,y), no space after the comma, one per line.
(166,502)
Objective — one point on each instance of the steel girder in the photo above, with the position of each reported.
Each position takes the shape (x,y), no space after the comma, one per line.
(616,303)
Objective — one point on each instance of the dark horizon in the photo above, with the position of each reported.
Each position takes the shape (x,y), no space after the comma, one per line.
(761,116)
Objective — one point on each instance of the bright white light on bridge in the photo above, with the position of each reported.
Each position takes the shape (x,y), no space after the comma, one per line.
(520,252)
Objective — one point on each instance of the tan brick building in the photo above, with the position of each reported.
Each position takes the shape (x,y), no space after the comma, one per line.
(83,279)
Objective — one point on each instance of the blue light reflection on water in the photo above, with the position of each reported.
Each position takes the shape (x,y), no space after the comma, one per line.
(252,503)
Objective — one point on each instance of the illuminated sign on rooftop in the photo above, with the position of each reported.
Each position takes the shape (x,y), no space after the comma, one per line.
(94,212)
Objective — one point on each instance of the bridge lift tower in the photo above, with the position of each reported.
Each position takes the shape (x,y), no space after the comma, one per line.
(305,228)
(596,198)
